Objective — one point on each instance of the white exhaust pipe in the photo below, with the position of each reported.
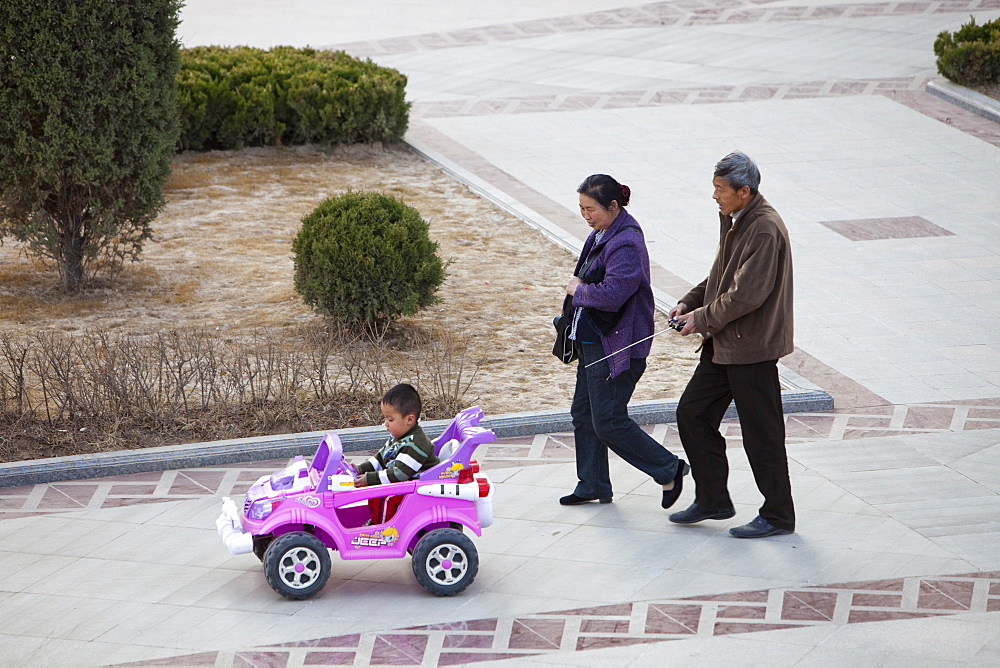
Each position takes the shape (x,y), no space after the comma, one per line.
(231,532)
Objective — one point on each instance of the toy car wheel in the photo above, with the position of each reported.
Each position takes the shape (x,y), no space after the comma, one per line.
(296,565)
(445,562)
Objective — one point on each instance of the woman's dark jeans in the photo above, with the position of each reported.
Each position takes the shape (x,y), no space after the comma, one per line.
(601,422)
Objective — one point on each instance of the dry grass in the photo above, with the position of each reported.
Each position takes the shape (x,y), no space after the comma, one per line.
(220,261)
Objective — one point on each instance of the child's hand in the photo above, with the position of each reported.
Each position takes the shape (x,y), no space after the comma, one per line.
(360,481)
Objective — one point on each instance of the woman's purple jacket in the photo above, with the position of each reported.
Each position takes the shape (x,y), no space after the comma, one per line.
(626,282)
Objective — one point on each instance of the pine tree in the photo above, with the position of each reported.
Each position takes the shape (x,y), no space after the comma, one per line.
(88,126)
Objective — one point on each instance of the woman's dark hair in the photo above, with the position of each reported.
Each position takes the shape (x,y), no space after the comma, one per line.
(404,398)
(603,189)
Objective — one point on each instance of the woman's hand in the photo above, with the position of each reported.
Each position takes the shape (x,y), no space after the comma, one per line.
(571,286)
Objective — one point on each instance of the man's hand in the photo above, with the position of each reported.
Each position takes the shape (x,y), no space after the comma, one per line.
(680,314)
(360,481)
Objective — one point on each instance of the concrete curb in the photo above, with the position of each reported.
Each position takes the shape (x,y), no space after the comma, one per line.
(970,100)
(283,446)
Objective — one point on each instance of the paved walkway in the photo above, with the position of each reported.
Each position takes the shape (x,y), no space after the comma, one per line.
(892,200)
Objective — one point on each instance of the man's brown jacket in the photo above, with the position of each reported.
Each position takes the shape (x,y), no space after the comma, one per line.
(745,304)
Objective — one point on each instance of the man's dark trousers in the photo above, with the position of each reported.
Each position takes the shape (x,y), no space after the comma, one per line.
(757,393)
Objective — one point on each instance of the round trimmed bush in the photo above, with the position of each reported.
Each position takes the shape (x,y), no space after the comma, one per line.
(365,258)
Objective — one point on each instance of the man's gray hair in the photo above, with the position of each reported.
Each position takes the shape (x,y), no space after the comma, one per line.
(739,170)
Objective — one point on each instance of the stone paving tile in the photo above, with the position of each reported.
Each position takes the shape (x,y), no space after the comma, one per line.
(867,229)
(638,622)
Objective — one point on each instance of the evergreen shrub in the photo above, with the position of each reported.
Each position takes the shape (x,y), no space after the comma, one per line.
(366,258)
(970,56)
(231,97)
(88,128)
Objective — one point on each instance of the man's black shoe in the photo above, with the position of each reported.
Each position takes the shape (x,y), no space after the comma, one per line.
(696,513)
(758,528)
(574,500)
(671,495)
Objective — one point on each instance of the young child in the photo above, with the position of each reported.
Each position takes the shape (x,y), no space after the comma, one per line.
(407,452)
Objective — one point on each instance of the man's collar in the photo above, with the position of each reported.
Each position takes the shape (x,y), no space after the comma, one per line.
(734,217)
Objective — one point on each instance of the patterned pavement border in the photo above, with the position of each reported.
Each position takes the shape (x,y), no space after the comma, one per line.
(629,623)
(656,15)
(235,479)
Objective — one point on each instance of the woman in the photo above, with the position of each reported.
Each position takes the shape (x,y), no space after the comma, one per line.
(610,301)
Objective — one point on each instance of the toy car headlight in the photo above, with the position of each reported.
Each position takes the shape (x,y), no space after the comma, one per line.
(260,509)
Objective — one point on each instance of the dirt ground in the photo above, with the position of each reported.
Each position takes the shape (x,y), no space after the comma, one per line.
(221,260)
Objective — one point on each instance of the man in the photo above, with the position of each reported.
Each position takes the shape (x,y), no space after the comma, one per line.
(744,311)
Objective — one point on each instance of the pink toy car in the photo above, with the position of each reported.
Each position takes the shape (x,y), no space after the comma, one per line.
(291,517)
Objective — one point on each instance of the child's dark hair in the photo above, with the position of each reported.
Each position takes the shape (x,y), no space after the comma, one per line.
(404,398)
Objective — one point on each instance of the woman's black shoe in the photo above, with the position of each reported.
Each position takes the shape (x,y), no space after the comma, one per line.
(574,500)
(671,495)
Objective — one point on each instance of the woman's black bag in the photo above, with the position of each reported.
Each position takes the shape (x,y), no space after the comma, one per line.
(564,348)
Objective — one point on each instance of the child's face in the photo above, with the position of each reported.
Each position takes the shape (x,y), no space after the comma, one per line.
(396,423)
